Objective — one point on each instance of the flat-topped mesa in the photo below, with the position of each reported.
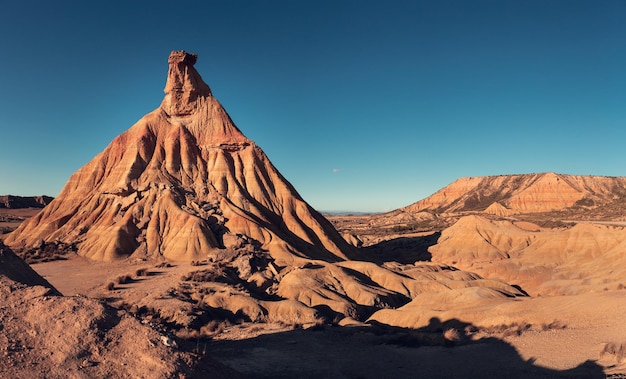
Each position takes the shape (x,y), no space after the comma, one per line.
(184,87)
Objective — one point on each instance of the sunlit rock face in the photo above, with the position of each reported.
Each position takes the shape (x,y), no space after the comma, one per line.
(183,183)
(527,193)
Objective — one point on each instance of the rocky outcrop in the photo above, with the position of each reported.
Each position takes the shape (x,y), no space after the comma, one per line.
(579,258)
(498,210)
(184,89)
(529,193)
(15,202)
(50,336)
(14,268)
(183,183)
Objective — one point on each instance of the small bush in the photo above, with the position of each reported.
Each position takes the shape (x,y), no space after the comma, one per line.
(451,336)
(123,279)
(214,327)
(553,325)
(617,350)
(141,272)
(110,286)
(508,330)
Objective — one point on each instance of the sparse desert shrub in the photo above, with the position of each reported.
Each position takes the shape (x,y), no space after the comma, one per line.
(163,265)
(110,286)
(186,333)
(295,326)
(138,310)
(318,325)
(123,279)
(616,350)
(405,228)
(141,272)
(214,327)
(553,325)
(451,336)
(507,330)
(517,329)
(470,329)
(554,224)
(214,274)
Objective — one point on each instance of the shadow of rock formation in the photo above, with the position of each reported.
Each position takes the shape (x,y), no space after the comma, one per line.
(404,250)
(439,350)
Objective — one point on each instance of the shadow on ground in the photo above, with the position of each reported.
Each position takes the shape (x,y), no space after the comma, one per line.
(404,250)
(380,351)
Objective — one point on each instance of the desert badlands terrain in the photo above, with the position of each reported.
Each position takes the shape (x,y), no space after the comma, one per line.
(180,251)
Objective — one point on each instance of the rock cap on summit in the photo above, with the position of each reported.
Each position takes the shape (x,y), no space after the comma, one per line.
(184,88)
(181,56)
(183,183)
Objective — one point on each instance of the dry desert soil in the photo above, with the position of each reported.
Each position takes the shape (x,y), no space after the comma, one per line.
(574,336)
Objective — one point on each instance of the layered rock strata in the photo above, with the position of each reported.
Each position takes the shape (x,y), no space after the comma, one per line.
(526,193)
(183,183)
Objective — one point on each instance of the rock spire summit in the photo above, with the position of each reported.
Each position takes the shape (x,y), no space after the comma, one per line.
(184,184)
(184,88)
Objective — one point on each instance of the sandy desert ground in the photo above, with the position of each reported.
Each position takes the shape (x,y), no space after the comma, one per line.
(581,335)
(515,338)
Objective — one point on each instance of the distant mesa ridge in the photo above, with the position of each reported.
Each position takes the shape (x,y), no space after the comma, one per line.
(183,183)
(15,202)
(525,193)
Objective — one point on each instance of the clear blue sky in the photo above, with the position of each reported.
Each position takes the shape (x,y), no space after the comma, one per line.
(362,105)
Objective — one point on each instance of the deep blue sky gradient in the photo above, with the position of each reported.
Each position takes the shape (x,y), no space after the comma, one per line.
(362,105)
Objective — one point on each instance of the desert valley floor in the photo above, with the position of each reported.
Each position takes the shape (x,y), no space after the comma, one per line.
(578,334)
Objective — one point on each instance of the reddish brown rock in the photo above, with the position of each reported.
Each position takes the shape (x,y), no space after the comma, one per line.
(183,183)
(14,268)
(585,257)
(529,193)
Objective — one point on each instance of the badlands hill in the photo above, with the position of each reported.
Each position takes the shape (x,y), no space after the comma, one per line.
(581,257)
(528,193)
(183,183)
(546,198)
(550,234)
(47,335)
(15,269)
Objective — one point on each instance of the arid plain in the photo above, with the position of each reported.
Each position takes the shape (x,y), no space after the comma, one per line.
(181,251)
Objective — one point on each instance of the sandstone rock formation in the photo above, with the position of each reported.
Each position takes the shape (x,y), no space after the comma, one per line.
(529,193)
(45,334)
(498,209)
(582,258)
(15,269)
(183,183)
